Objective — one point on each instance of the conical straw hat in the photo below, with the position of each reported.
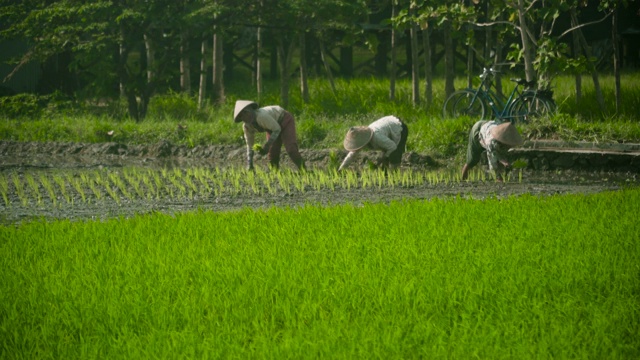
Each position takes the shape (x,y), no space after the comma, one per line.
(241,105)
(507,134)
(357,137)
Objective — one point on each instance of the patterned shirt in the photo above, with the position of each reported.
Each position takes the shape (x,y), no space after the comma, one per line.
(496,151)
(386,136)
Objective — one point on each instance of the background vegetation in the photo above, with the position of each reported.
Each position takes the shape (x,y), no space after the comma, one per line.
(321,123)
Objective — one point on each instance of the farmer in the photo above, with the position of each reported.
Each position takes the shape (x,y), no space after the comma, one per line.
(496,139)
(387,134)
(279,125)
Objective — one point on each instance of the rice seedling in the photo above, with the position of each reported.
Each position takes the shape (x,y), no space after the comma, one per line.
(35,188)
(134,179)
(284,182)
(76,182)
(4,190)
(188,179)
(117,181)
(152,191)
(46,184)
(157,180)
(201,175)
(251,181)
(17,183)
(93,183)
(112,193)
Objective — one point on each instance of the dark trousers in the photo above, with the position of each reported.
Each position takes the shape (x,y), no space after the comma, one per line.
(288,137)
(396,156)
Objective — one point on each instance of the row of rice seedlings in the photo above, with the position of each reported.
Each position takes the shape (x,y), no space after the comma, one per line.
(4,190)
(119,184)
(76,182)
(201,182)
(35,188)
(19,189)
(134,179)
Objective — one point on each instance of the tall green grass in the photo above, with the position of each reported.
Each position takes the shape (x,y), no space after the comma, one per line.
(323,121)
(517,278)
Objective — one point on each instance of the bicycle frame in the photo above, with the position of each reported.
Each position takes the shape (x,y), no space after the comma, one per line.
(490,98)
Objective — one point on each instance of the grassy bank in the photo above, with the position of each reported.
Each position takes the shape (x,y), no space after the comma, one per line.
(323,122)
(536,278)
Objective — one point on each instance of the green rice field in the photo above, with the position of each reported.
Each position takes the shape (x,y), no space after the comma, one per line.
(528,277)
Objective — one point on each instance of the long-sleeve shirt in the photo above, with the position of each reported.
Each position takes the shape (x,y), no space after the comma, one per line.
(386,136)
(496,152)
(267,119)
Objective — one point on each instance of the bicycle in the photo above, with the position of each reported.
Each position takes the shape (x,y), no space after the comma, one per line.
(519,106)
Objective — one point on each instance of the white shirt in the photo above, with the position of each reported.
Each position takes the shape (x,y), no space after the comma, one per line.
(386,137)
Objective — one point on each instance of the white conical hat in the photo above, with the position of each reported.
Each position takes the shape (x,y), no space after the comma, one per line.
(507,134)
(357,137)
(241,105)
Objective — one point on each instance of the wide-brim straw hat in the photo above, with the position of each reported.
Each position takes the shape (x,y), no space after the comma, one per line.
(507,134)
(357,138)
(241,105)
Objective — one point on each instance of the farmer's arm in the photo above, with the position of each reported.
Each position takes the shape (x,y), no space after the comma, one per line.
(347,160)
(249,136)
(269,123)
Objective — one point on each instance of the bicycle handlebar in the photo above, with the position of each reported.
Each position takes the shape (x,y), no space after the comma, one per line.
(487,71)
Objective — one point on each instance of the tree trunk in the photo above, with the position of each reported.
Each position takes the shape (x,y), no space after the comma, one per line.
(428,73)
(304,87)
(616,57)
(470,72)
(126,85)
(449,74)
(151,55)
(259,63)
(327,68)
(285,52)
(576,55)
(185,65)
(592,68)
(218,68)
(497,59)
(415,66)
(527,46)
(488,37)
(202,91)
(394,39)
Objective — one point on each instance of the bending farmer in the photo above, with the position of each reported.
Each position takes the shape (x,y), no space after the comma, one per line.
(279,125)
(496,139)
(387,134)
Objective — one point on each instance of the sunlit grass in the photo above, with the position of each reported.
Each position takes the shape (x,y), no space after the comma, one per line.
(526,277)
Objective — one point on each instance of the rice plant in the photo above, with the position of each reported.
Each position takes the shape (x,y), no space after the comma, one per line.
(35,188)
(17,184)
(46,184)
(4,190)
(76,182)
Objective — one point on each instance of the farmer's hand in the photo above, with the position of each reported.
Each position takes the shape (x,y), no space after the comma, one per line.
(265,148)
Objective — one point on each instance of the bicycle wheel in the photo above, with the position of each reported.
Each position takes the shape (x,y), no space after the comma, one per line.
(528,107)
(464,103)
